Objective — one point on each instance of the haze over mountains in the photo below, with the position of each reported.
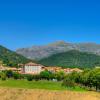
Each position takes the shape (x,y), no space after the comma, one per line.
(39,52)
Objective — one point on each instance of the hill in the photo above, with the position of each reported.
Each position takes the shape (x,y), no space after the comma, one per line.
(72,58)
(11,58)
(40,52)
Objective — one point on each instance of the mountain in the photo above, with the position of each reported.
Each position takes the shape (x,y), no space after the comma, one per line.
(11,58)
(72,58)
(39,52)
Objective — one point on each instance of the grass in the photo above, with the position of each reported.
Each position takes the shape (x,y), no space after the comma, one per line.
(49,85)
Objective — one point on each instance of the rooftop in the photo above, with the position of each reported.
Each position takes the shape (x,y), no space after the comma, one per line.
(32,64)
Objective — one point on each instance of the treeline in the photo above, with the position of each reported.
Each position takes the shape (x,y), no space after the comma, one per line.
(72,59)
(10,58)
(89,79)
(44,75)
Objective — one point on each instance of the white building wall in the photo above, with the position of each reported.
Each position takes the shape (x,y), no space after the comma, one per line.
(33,69)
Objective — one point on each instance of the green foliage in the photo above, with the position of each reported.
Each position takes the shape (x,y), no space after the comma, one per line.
(9,73)
(3,76)
(46,75)
(36,77)
(71,59)
(60,75)
(11,58)
(70,80)
(68,83)
(16,76)
(29,77)
(91,79)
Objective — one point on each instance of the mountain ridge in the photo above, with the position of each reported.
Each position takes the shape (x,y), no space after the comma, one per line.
(39,52)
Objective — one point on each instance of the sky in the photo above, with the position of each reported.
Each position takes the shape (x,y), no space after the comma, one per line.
(24,23)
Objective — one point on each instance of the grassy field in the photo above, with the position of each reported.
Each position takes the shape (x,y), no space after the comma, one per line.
(42,90)
(49,85)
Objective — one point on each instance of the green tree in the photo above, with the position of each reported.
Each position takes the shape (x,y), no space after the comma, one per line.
(60,75)
(3,76)
(36,77)
(9,73)
(45,75)
(16,75)
(68,82)
(29,77)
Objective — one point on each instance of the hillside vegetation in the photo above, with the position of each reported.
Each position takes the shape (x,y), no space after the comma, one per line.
(72,58)
(11,58)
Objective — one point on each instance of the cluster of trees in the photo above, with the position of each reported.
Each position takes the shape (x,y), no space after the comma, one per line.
(89,79)
(72,59)
(9,74)
(44,75)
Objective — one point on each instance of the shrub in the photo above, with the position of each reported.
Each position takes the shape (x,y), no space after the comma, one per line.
(68,83)
(3,76)
(16,76)
(45,75)
(36,77)
(29,77)
(60,75)
(9,73)
(69,80)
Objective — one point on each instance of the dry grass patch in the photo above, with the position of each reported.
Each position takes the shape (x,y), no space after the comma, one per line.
(35,94)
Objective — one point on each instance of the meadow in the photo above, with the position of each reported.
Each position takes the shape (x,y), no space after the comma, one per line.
(41,84)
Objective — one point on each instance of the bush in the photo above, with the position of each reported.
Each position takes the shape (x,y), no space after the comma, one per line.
(36,77)
(30,77)
(16,76)
(60,75)
(70,80)
(9,73)
(68,83)
(3,76)
(45,75)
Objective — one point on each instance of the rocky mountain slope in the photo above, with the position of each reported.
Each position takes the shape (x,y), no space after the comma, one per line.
(39,52)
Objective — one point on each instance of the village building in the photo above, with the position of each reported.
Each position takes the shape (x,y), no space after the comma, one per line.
(77,70)
(32,68)
(65,70)
(52,69)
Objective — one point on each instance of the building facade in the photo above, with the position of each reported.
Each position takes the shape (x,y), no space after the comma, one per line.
(32,68)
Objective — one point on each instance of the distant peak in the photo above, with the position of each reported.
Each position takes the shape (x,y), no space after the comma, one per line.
(58,43)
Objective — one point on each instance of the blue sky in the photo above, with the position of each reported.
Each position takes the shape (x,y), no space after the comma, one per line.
(24,23)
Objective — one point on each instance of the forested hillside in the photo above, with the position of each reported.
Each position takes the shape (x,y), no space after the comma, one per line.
(11,58)
(72,58)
